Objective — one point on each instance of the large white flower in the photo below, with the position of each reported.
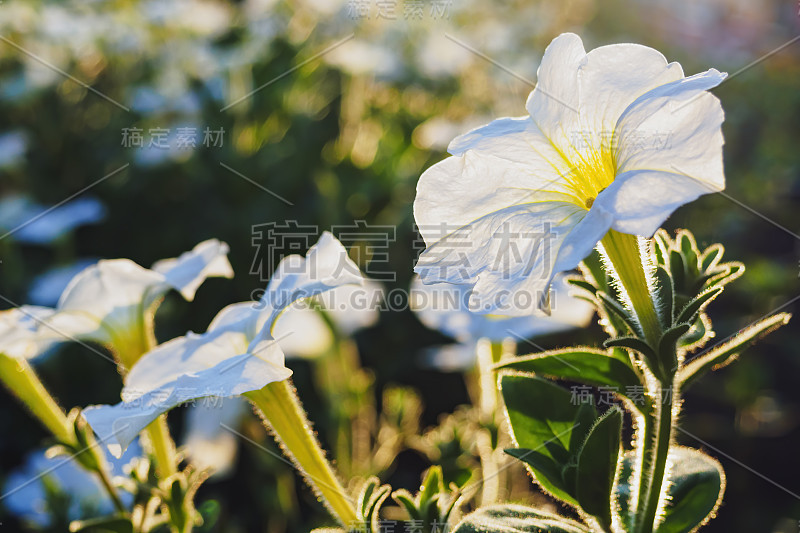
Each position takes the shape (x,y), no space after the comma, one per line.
(109,303)
(616,138)
(237,354)
(445,307)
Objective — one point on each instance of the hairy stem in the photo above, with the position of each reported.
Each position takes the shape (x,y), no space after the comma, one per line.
(22,381)
(281,410)
(658,453)
(162,447)
(622,250)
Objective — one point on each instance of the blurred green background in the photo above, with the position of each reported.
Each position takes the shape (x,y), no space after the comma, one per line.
(352,101)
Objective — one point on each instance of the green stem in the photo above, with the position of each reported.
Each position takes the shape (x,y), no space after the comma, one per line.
(23,382)
(282,411)
(162,447)
(158,437)
(657,452)
(622,250)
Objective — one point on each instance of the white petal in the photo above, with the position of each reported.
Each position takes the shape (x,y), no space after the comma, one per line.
(445,307)
(462,189)
(353,307)
(106,301)
(612,77)
(516,139)
(227,337)
(302,332)
(109,294)
(675,128)
(326,266)
(509,256)
(118,425)
(187,272)
(554,102)
(209,444)
(21,332)
(641,200)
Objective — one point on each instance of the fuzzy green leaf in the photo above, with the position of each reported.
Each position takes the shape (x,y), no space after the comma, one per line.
(631,343)
(597,466)
(678,270)
(697,484)
(666,295)
(516,519)
(582,365)
(613,307)
(544,434)
(726,353)
(690,311)
(583,284)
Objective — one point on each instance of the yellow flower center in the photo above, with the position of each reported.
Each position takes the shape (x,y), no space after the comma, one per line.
(593,169)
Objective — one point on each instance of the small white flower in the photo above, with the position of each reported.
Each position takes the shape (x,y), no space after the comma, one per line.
(237,354)
(446,308)
(108,303)
(616,138)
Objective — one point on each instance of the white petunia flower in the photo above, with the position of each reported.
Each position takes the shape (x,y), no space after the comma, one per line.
(616,138)
(109,303)
(446,308)
(237,354)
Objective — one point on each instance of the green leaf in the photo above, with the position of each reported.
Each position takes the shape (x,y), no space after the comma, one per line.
(613,307)
(696,334)
(583,284)
(597,466)
(554,477)
(678,270)
(667,348)
(711,257)
(726,353)
(631,343)
(106,524)
(690,311)
(542,417)
(594,272)
(370,500)
(516,519)
(210,511)
(697,483)
(666,294)
(688,248)
(582,365)
(328,530)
